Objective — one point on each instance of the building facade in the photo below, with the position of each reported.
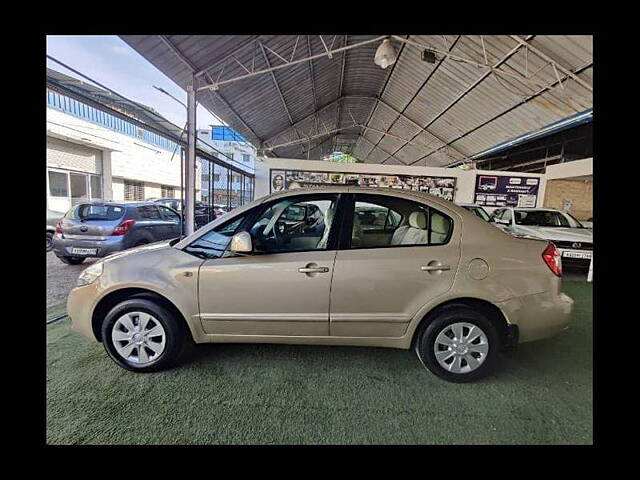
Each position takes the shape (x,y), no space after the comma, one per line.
(220,186)
(95,155)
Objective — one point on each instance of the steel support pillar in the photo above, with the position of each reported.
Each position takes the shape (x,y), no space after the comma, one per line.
(190,170)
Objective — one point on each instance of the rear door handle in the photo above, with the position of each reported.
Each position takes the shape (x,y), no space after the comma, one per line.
(433,268)
(313,269)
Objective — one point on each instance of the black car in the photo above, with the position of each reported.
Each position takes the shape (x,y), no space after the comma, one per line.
(203,213)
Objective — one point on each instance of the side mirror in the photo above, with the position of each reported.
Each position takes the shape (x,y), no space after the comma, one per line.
(501,221)
(241,243)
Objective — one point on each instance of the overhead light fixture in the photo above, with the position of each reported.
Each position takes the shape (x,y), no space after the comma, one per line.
(385,55)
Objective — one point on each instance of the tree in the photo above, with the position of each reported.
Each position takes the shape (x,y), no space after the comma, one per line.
(341,157)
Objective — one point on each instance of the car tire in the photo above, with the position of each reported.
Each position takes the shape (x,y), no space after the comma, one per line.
(49,241)
(72,260)
(458,361)
(149,354)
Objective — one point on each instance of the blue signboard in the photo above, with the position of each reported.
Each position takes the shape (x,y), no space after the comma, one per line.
(506,191)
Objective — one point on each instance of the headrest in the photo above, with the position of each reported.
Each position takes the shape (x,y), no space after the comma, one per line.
(439,224)
(418,219)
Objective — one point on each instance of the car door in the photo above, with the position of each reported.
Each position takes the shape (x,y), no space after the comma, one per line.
(171,221)
(152,222)
(283,287)
(379,284)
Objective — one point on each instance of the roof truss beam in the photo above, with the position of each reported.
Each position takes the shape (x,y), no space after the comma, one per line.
(529,98)
(467,90)
(417,91)
(215,85)
(193,68)
(315,114)
(555,63)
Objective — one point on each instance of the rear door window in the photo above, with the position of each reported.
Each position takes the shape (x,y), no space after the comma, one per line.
(169,214)
(149,212)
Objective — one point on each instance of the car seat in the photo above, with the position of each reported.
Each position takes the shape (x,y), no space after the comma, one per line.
(415,233)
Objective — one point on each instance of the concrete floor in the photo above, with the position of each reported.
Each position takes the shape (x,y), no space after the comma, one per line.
(61,278)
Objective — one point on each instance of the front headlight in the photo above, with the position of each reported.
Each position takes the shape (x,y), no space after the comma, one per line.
(89,274)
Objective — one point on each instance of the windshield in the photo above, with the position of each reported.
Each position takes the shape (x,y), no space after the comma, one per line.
(96,212)
(546,218)
(480,212)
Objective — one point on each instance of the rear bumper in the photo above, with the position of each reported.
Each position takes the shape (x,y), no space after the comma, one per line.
(62,246)
(538,316)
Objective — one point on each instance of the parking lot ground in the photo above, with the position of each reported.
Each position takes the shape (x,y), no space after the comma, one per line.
(282,394)
(61,278)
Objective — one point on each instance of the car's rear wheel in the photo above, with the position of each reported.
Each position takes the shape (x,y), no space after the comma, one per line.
(458,345)
(49,241)
(72,260)
(142,336)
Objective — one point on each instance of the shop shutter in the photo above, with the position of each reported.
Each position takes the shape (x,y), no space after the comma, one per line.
(71,156)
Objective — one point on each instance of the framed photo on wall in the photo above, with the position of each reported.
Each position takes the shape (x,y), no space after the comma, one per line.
(443,187)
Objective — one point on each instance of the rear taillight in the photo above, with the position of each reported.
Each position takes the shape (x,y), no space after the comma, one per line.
(59,228)
(124,227)
(551,257)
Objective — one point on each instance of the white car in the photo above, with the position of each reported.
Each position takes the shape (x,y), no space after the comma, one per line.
(574,241)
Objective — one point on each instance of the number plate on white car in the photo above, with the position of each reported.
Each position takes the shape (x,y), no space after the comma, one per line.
(574,254)
(84,251)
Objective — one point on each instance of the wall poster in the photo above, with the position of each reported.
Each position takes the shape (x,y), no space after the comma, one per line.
(506,191)
(281,180)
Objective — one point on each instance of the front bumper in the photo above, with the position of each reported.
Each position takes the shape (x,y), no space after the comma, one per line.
(538,316)
(80,305)
(62,246)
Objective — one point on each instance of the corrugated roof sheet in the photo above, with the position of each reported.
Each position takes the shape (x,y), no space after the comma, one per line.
(432,113)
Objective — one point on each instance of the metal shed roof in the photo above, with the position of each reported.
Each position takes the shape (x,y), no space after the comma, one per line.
(304,96)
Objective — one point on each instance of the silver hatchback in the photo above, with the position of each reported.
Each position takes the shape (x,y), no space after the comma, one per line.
(100,229)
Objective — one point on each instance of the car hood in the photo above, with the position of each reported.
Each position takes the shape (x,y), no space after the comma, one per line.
(141,250)
(565,234)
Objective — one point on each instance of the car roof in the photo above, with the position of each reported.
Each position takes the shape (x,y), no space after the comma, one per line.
(408,194)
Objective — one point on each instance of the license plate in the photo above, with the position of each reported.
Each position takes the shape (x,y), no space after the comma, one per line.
(84,251)
(570,254)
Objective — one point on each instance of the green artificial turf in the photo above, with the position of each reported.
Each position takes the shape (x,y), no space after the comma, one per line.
(281,394)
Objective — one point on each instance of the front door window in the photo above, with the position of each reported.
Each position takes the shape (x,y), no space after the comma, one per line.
(295,225)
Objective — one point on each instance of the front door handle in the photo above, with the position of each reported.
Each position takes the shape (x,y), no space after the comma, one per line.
(434,268)
(313,269)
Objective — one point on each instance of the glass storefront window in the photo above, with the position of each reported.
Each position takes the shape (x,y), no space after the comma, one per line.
(58,184)
(96,187)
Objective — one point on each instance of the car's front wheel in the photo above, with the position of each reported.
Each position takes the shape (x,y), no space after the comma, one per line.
(49,241)
(459,344)
(141,335)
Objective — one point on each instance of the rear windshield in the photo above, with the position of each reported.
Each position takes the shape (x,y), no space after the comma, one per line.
(96,212)
(545,218)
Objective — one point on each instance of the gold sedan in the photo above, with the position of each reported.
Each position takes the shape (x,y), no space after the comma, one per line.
(331,266)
